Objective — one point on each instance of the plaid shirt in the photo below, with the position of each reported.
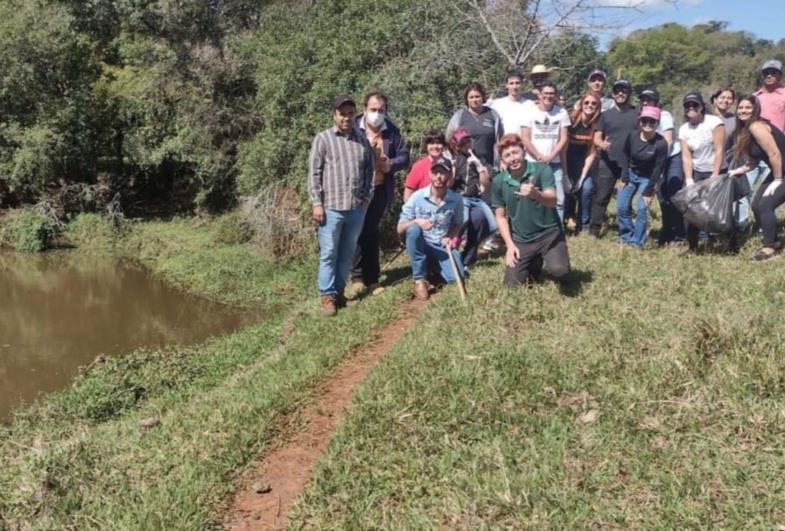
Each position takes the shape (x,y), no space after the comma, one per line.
(340,169)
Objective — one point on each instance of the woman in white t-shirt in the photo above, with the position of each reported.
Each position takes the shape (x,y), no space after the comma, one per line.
(702,138)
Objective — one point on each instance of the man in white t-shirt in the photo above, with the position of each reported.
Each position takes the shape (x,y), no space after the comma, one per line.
(544,134)
(512,108)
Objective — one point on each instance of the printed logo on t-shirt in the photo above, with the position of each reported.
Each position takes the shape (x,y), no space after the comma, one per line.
(546,129)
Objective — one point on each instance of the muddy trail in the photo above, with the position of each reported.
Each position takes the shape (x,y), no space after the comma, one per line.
(266,494)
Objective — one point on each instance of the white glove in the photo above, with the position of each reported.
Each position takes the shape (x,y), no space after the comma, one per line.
(772,188)
(474,160)
(689,182)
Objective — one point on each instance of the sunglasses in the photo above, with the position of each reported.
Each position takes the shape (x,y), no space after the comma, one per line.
(648,121)
(692,105)
(771,72)
(590,103)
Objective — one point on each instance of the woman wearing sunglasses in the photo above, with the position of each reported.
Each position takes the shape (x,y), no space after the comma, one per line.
(645,151)
(702,138)
(581,155)
(757,139)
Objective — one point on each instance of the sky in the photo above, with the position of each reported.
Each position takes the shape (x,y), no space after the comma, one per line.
(763,18)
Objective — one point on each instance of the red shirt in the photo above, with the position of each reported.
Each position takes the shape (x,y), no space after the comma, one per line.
(419,175)
(772,106)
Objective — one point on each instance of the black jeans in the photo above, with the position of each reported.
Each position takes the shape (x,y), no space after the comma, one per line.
(608,172)
(551,248)
(672,220)
(365,266)
(764,209)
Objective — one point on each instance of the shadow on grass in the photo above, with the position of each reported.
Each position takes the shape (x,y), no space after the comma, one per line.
(573,286)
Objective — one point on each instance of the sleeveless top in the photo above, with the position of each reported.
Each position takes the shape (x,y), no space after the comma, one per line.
(757,153)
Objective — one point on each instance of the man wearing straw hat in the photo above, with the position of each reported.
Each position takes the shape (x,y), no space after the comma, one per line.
(539,75)
(430,220)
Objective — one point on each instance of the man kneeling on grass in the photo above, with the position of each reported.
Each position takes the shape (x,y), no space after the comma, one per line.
(524,200)
(431,219)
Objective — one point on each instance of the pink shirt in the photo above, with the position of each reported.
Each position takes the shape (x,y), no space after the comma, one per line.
(420,174)
(772,106)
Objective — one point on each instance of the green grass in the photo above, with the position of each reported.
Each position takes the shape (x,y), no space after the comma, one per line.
(482,418)
(79,459)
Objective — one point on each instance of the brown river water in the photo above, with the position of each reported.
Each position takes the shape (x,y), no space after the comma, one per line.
(58,311)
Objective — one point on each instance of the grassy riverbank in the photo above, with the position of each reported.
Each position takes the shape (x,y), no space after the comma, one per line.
(80,459)
(651,399)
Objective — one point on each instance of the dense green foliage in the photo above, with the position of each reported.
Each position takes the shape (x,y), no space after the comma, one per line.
(705,57)
(176,105)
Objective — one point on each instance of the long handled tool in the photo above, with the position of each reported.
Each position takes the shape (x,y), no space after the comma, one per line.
(458,279)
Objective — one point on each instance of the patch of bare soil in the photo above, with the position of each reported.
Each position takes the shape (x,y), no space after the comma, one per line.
(268,494)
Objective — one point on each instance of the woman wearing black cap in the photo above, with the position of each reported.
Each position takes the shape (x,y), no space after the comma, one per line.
(756,139)
(702,138)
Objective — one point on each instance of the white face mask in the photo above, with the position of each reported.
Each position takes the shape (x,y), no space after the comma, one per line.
(374,119)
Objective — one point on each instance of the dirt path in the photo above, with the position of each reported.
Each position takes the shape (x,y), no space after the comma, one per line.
(264,501)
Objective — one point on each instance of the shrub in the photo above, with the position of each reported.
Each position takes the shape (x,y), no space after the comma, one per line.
(91,231)
(232,229)
(29,230)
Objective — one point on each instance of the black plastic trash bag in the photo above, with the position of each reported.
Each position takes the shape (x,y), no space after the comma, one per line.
(708,204)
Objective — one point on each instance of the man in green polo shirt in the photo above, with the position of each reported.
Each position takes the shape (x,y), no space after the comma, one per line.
(524,199)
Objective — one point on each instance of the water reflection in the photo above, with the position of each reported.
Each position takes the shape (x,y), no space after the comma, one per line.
(59,311)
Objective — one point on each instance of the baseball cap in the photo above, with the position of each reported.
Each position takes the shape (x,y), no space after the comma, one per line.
(443,163)
(649,93)
(459,135)
(772,63)
(342,99)
(597,72)
(651,112)
(622,83)
(693,96)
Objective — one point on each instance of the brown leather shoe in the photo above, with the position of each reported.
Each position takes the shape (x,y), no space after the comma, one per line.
(421,290)
(328,305)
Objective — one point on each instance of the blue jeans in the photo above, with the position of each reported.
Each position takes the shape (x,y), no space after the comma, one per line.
(420,251)
(479,203)
(742,210)
(558,176)
(337,244)
(585,203)
(629,233)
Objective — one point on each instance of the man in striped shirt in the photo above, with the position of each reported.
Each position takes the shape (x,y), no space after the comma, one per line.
(339,185)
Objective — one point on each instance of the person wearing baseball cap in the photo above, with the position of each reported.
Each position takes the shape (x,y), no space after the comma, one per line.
(429,221)
(673,231)
(596,83)
(645,153)
(772,94)
(340,175)
(612,129)
(702,138)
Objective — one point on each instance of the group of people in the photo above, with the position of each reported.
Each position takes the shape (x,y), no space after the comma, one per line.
(526,169)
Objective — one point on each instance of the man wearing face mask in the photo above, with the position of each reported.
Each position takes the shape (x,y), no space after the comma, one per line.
(391,156)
